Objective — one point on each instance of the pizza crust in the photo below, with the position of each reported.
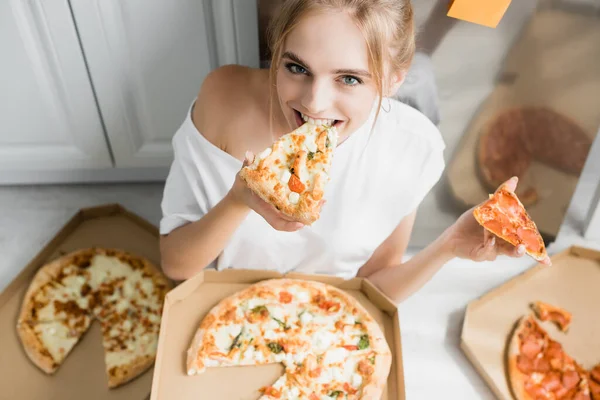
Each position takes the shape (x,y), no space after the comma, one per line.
(118,376)
(515,377)
(35,350)
(305,211)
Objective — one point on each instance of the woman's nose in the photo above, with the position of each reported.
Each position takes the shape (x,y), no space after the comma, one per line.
(316,98)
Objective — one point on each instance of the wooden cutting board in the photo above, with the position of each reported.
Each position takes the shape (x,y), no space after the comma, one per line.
(555,63)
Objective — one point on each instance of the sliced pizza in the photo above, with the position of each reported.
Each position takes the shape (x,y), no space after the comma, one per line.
(123,291)
(326,340)
(504,215)
(595,382)
(539,368)
(292,173)
(548,312)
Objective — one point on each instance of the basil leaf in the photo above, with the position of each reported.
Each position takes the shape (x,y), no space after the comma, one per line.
(335,394)
(259,309)
(363,343)
(275,347)
(281,323)
(311,155)
(236,340)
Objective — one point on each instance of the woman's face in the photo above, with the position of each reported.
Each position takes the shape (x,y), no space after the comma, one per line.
(324,74)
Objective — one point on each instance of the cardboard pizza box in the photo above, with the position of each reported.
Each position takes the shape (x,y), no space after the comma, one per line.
(554,63)
(487,13)
(572,283)
(82,375)
(188,304)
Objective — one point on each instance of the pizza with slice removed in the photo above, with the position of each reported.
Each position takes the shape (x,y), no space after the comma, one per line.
(292,173)
(539,367)
(504,215)
(123,291)
(330,346)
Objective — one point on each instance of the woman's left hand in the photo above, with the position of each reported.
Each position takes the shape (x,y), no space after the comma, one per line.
(470,240)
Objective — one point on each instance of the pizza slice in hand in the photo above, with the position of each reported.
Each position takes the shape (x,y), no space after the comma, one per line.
(504,215)
(292,173)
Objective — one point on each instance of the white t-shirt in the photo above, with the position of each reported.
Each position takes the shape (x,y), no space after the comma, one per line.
(377,178)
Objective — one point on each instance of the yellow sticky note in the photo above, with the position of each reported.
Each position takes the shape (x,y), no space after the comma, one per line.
(482,12)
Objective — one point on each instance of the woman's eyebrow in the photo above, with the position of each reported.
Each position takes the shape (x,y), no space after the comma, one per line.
(344,71)
(357,72)
(294,57)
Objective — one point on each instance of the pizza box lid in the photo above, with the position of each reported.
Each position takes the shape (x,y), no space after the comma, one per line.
(538,68)
(186,306)
(571,282)
(82,375)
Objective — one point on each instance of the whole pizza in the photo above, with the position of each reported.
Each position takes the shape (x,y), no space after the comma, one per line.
(123,291)
(330,346)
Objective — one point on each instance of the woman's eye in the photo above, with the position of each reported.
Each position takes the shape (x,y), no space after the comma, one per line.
(350,80)
(296,69)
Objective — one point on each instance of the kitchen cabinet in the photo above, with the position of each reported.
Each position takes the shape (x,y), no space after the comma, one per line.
(94,90)
(48,116)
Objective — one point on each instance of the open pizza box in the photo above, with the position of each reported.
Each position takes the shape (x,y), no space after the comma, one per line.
(83,374)
(186,306)
(572,283)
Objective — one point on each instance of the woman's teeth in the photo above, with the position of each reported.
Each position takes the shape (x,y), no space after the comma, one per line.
(327,122)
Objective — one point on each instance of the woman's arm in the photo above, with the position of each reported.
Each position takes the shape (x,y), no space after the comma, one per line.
(464,239)
(400,281)
(190,248)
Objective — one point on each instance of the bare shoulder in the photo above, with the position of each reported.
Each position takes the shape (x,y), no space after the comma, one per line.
(228,98)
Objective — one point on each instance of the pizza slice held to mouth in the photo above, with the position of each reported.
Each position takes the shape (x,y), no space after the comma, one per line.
(292,173)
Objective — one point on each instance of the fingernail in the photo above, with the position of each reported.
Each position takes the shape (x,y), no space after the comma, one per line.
(521,249)
(248,156)
(515,179)
(493,241)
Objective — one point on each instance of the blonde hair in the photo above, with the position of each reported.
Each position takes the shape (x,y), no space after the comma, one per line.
(387,25)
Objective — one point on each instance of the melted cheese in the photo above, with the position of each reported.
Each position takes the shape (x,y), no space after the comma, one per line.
(280,157)
(225,335)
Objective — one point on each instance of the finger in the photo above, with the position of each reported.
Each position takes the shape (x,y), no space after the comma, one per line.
(510,249)
(547,261)
(287,226)
(511,184)
(248,158)
(489,239)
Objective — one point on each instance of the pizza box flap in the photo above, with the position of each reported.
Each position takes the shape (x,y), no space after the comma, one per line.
(82,375)
(572,283)
(186,306)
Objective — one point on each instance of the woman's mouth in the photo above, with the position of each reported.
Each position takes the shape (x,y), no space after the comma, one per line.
(302,118)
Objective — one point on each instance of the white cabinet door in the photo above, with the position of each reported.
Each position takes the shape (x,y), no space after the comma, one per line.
(147,60)
(49,120)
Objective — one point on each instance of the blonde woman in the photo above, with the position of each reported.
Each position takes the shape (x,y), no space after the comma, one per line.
(333,60)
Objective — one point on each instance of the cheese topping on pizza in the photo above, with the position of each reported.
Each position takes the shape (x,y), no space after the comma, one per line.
(123,292)
(328,343)
(293,172)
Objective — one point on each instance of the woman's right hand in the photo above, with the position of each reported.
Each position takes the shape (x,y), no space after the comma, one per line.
(241,194)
